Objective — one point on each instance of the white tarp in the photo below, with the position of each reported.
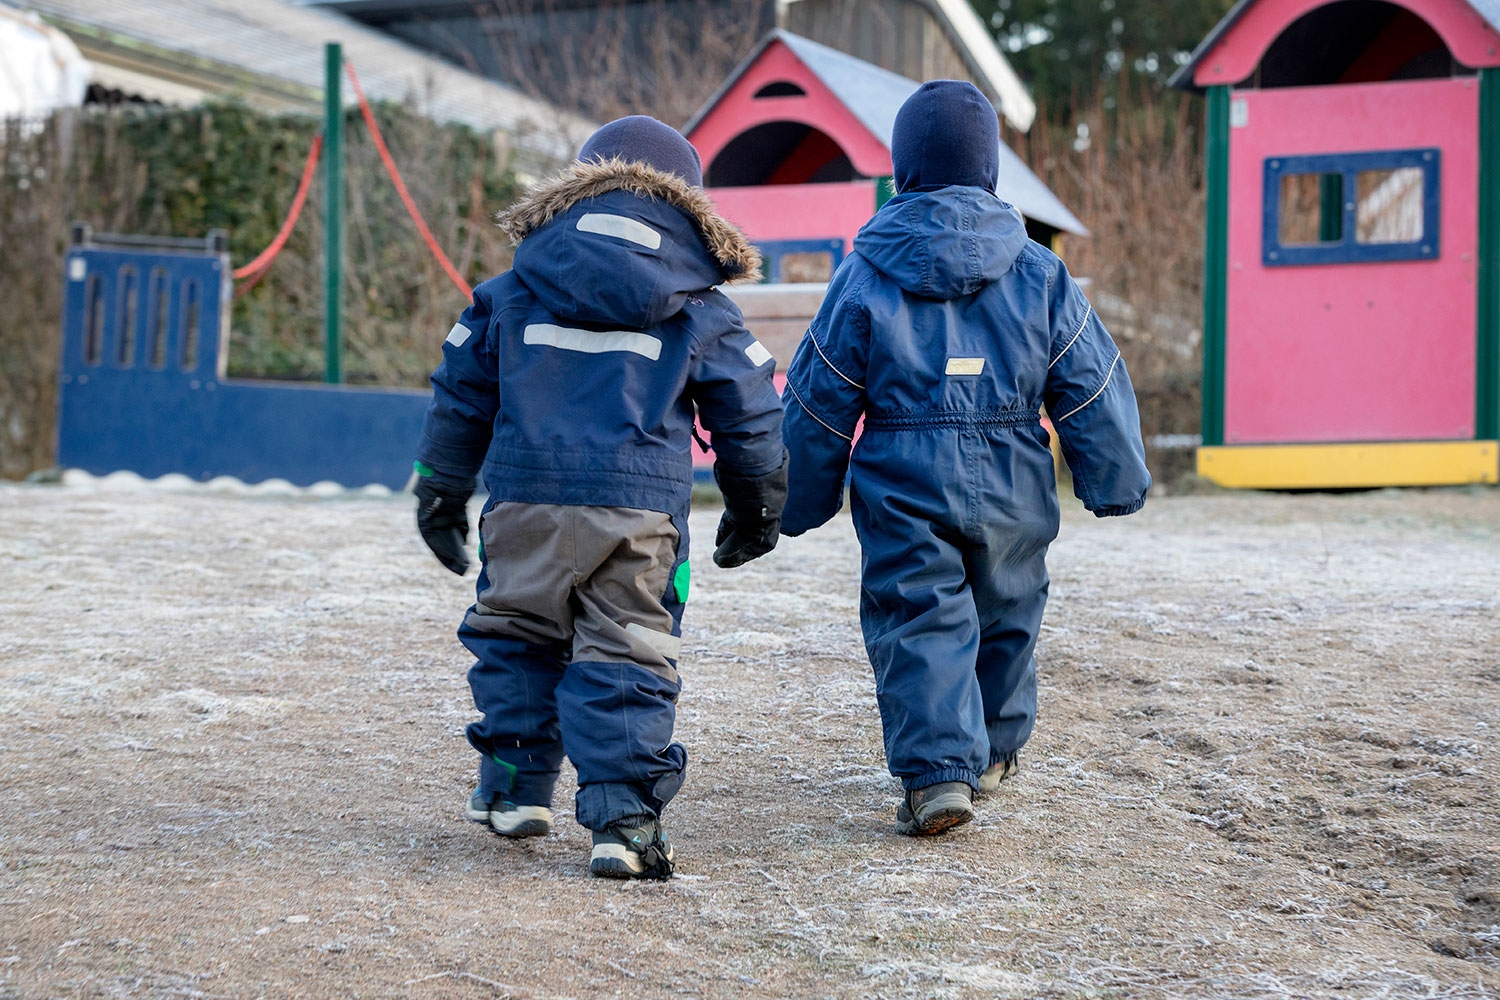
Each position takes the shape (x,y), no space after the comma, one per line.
(41,69)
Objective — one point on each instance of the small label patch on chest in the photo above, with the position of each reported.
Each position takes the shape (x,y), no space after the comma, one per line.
(964,366)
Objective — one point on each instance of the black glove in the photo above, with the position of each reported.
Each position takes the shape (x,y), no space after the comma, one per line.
(443,520)
(752,514)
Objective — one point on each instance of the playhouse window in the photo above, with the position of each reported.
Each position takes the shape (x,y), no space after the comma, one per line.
(795,261)
(1389,206)
(781,88)
(1355,41)
(780,153)
(1312,209)
(1351,207)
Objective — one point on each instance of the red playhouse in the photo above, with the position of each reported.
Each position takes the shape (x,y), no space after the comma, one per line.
(1352,282)
(796,148)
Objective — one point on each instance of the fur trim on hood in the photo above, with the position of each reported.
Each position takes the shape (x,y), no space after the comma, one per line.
(739,260)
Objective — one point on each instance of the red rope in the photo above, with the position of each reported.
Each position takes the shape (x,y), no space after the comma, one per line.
(256,269)
(411,206)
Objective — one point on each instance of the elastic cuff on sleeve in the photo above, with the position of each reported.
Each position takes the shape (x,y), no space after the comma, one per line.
(1121,510)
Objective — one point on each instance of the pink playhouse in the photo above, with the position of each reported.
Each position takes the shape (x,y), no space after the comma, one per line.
(1352,285)
(796,151)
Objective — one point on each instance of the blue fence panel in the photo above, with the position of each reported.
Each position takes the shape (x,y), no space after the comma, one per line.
(145,331)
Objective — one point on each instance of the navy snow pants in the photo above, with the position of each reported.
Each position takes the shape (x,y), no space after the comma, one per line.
(952,589)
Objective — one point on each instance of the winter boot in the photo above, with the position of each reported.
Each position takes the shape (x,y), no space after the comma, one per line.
(935,809)
(508,819)
(998,772)
(634,847)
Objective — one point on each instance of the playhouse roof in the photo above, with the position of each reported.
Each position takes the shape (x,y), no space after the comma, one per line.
(1183,78)
(874,95)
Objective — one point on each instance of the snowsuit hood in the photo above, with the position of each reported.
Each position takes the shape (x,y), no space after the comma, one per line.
(943,244)
(672,243)
(947,133)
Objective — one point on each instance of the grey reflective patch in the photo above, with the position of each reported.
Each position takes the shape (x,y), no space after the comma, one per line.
(592,341)
(665,643)
(620,227)
(459,335)
(757,353)
(964,366)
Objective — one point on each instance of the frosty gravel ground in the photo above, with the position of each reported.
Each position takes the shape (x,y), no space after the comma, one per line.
(232,765)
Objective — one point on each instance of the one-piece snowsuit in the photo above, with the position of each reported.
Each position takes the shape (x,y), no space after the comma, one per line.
(572,380)
(947,330)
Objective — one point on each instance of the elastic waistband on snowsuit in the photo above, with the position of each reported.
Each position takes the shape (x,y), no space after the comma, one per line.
(897,420)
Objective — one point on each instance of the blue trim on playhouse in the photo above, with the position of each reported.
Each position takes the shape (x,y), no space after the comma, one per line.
(143,386)
(1348,249)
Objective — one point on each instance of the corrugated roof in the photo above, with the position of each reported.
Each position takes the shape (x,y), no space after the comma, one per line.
(283,41)
(1183,78)
(874,95)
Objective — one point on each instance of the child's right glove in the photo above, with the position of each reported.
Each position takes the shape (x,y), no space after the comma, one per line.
(443,520)
(752,514)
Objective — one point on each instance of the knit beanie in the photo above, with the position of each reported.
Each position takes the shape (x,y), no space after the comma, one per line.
(946,134)
(642,139)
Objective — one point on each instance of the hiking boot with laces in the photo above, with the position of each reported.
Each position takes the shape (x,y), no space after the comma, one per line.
(507,819)
(634,847)
(935,809)
(998,772)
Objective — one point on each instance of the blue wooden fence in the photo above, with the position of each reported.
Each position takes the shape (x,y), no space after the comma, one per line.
(143,386)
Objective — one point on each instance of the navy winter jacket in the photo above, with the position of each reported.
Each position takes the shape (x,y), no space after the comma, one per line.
(947,330)
(573,377)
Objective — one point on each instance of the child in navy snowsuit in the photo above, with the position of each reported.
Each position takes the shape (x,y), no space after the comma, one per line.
(947,330)
(571,383)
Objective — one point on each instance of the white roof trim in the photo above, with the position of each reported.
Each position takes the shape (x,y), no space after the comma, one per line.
(978,46)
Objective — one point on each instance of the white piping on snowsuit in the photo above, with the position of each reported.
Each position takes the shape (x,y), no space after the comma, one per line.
(1086,314)
(818,347)
(798,396)
(1096,395)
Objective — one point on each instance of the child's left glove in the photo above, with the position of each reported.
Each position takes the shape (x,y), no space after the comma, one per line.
(443,520)
(752,514)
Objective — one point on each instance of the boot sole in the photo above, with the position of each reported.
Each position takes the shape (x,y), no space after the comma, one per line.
(617,861)
(521,822)
(940,816)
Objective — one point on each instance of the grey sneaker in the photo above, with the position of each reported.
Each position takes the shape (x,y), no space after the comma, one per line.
(935,809)
(635,847)
(508,819)
(998,772)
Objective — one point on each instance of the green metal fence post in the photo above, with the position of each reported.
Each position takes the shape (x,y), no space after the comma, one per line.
(1487,385)
(1215,261)
(333,212)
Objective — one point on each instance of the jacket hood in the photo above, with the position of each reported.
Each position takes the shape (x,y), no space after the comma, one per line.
(943,244)
(622,243)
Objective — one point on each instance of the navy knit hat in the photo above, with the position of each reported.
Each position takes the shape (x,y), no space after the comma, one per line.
(946,134)
(642,139)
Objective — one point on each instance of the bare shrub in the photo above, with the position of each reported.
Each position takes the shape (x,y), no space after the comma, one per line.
(615,58)
(1133,172)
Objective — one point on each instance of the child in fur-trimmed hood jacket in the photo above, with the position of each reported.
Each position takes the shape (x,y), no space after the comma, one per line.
(571,384)
(947,330)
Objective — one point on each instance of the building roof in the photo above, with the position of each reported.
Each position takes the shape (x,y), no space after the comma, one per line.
(271,51)
(874,95)
(1183,78)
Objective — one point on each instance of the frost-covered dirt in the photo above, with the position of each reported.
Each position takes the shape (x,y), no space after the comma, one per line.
(231,765)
